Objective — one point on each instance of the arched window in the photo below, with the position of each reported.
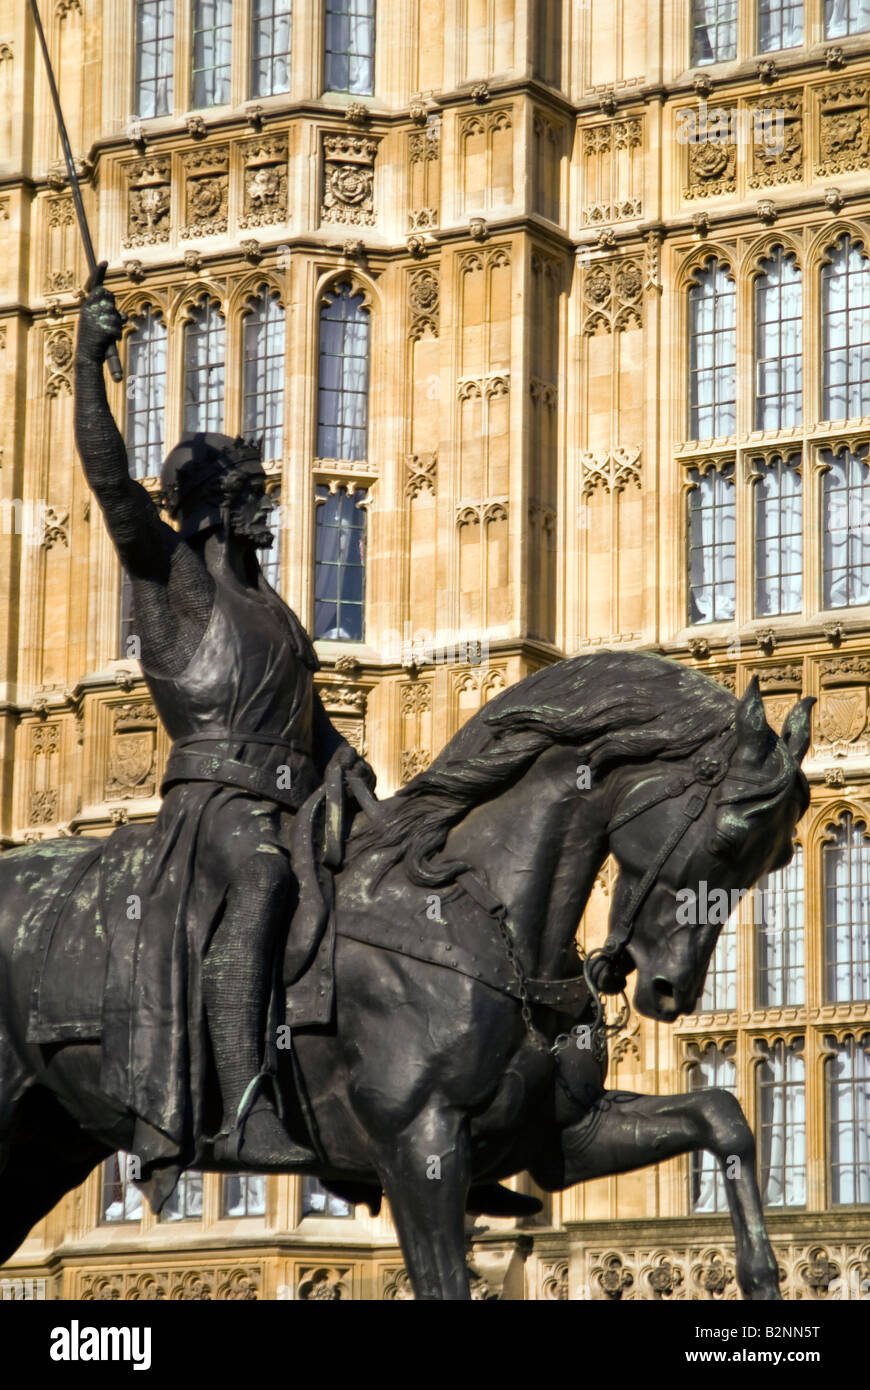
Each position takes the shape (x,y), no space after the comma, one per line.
(712,353)
(782,1109)
(845,528)
(720,986)
(204,363)
(146,394)
(848,1076)
(845,333)
(844,17)
(778,343)
(263,388)
(340,560)
(155,57)
(780,24)
(714,31)
(343,380)
(778,536)
(271,40)
(712,545)
(714,1066)
(779,927)
(349,64)
(212,52)
(846,873)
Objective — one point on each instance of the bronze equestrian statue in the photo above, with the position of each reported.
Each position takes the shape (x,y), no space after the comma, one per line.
(443,1058)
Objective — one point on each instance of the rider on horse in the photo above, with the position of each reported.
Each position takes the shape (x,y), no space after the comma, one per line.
(230,670)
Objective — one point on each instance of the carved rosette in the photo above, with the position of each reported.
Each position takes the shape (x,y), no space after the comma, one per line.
(348,179)
(844,126)
(423,304)
(711,160)
(148,201)
(59,353)
(265,181)
(778,142)
(324,1284)
(613,297)
(206,191)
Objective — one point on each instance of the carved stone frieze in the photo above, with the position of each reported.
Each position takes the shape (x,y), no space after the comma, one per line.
(206,191)
(265,181)
(148,201)
(844,126)
(777,144)
(613,296)
(613,470)
(348,179)
(220,1283)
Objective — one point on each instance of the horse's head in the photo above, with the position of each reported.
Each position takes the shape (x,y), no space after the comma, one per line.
(689,840)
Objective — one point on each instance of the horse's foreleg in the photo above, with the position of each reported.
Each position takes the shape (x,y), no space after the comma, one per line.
(624,1131)
(425,1172)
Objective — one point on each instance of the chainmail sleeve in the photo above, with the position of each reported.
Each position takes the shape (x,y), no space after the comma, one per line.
(173,592)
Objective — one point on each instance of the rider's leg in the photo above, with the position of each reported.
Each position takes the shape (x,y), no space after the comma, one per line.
(237,978)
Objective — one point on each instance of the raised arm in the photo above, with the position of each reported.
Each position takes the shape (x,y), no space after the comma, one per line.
(143,540)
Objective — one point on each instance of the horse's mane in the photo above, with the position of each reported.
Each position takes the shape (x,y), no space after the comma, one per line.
(613,707)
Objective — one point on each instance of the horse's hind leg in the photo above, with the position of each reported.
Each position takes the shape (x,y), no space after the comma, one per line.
(43,1158)
(425,1171)
(623,1131)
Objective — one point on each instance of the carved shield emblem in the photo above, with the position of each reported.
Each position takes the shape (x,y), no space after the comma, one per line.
(131,761)
(843,714)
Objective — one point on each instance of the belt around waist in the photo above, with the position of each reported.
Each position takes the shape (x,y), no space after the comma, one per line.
(287,785)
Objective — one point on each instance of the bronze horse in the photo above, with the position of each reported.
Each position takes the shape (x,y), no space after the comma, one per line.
(456,910)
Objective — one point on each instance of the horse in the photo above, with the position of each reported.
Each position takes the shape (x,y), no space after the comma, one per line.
(446,1061)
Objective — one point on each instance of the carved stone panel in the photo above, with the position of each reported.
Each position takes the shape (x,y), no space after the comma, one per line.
(777,142)
(131,770)
(711,158)
(844,126)
(265,181)
(221,1283)
(841,721)
(423,304)
(148,201)
(613,297)
(206,191)
(613,172)
(348,179)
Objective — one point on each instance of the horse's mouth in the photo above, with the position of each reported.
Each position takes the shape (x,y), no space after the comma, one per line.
(658,1001)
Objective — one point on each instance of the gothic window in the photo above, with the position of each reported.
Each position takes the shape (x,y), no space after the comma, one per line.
(125,617)
(778,537)
(343,382)
(263,388)
(720,986)
(779,927)
(155,43)
(845,528)
(120,1199)
(848,1076)
(340,558)
(270,560)
(204,361)
(712,352)
(712,539)
(778,341)
(780,24)
(316,1201)
(350,46)
(715,1066)
(846,873)
(783,1119)
(212,52)
(185,1204)
(845,332)
(844,17)
(244,1195)
(714,31)
(146,394)
(271,38)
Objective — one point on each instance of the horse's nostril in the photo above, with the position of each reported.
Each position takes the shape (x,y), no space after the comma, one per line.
(665,994)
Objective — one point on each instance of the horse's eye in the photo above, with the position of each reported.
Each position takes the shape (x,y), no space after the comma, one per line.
(723,845)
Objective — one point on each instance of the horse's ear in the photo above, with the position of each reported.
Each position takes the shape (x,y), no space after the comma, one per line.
(796,729)
(752,723)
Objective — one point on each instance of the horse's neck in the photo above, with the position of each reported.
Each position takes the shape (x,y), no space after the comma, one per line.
(539,846)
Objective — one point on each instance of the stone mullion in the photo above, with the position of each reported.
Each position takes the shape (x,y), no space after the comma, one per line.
(240,73)
(302,340)
(307,56)
(183,84)
(233,366)
(447,599)
(814,952)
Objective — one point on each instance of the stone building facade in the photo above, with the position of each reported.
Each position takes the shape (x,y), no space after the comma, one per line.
(561,312)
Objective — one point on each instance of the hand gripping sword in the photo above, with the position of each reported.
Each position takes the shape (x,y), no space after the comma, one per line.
(112,358)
